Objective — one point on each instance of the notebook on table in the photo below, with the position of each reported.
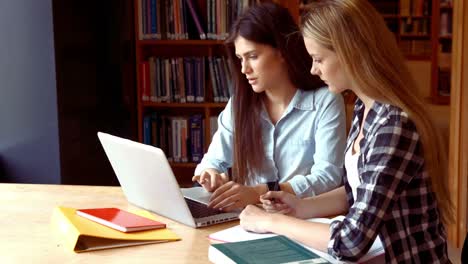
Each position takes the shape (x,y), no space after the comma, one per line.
(148,182)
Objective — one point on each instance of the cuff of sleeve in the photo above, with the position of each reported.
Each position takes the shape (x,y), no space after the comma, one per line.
(206,165)
(334,226)
(199,169)
(300,187)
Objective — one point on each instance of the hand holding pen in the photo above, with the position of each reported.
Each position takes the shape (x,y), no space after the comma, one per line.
(280,202)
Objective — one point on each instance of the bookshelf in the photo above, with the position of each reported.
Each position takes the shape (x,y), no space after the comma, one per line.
(410,21)
(423,29)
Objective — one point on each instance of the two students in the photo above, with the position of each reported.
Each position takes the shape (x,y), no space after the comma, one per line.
(394,184)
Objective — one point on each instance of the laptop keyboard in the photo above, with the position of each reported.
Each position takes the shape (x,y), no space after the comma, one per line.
(199,210)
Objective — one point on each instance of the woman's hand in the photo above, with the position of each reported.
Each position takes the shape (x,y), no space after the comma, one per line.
(210,179)
(281,202)
(231,196)
(255,219)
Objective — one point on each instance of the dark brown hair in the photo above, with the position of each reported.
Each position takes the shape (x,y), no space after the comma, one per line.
(267,24)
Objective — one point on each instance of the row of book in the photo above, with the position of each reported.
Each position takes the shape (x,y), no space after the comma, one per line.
(415,7)
(221,79)
(188,19)
(404,8)
(182,138)
(415,26)
(183,79)
(416,47)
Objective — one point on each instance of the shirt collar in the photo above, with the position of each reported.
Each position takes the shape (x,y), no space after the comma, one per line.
(304,100)
(377,110)
(301,100)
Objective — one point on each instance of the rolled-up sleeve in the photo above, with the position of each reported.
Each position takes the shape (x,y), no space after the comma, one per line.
(219,154)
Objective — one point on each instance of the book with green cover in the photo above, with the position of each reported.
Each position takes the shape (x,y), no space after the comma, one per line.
(276,249)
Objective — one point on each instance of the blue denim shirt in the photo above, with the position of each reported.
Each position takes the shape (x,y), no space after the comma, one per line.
(304,148)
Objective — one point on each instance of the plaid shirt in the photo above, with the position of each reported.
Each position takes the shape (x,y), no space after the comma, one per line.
(394,199)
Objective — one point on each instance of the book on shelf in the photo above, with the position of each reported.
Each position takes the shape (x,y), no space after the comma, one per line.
(188,77)
(420,7)
(145,81)
(443,87)
(199,79)
(220,79)
(214,81)
(147,130)
(79,234)
(152,79)
(405,7)
(196,18)
(276,249)
(445,60)
(180,137)
(223,74)
(119,219)
(445,23)
(238,234)
(196,138)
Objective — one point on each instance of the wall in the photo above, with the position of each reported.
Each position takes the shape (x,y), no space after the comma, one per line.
(421,71)
(440,114)
(28,107)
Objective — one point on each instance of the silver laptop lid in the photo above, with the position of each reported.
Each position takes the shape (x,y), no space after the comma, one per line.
(146,178)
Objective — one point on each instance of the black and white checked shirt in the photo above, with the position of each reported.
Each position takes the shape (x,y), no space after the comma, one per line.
(394,199)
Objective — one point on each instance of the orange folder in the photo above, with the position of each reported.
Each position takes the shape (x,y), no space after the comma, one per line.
(80,234)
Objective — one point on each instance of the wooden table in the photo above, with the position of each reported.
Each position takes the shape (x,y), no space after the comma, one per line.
(27,236)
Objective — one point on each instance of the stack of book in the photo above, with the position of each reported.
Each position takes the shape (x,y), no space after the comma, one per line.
(100,229)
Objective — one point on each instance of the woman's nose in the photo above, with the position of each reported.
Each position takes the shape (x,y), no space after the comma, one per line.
(245,68)
(313,69)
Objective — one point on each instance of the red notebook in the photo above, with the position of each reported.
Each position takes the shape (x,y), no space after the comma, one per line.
(119,219)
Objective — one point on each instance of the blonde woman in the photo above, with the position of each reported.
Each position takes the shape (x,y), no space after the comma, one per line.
(394,187)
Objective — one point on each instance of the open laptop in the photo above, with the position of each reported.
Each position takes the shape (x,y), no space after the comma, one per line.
(148,182)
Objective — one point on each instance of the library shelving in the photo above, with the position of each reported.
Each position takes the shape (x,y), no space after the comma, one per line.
(423,29)
(410,21)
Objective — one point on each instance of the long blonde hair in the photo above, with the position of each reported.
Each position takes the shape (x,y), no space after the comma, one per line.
(370,55)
